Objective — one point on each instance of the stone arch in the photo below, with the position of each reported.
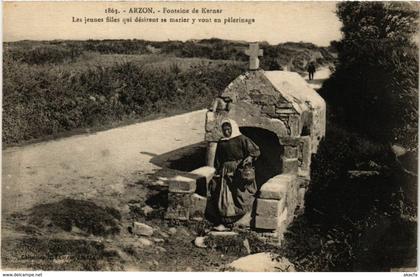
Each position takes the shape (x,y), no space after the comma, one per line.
(269,163)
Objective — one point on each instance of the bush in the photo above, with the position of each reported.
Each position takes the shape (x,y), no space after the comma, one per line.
(332,191)
(374,89)
(46,100)
(44,54)
(351,221)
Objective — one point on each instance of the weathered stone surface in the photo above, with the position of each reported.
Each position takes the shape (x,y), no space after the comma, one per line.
(269,207)
(203,177)
(212,125)
(200,242)
(247,114)
(303,181)
(206,172)
(290,151)
(276,188)
(262,262)
(301,197)
(222,233)
(284,220)
(290,165)
(291,141)
(268,109)
(304,153)
(198,207)
(211,153)
(178,206)
(283,105)
(285,111)
(144,242)
(278,223)
(147,210)
(182,184)
(267,223)
(295,125)
(142,229)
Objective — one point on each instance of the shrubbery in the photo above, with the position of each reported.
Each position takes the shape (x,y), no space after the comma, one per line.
(46,100)
(43,54)
(334,191)
(375,87)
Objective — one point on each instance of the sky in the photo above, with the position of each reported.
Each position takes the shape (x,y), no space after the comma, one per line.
(275,22)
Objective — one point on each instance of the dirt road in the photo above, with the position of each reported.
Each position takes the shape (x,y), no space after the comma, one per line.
(320,76)
(91,166)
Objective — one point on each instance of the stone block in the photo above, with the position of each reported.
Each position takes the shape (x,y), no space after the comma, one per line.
(284,220)
(301,197)
(304,153)
(277,187)
(268,109)
(303,182)
(198,207)
(282,105)
(205,171)
(182,184)
(266,223)
(292,141)
(269,207)
(278,222)
(142,229)
(285,111)
(294,123)
(178,206)
(203,177)
(210,125)
(290,151)
(264,99)
(290,165)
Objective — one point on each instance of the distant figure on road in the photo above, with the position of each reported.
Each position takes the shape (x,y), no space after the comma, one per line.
(311,70)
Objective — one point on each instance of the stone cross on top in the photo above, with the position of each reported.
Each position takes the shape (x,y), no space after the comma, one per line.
(254,52)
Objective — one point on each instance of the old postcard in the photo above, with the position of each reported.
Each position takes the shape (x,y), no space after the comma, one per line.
(209,136)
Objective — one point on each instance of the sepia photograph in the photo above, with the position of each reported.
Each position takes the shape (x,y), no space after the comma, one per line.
(199,136)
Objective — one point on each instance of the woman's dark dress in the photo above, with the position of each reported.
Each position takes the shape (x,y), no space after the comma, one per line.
(229,157)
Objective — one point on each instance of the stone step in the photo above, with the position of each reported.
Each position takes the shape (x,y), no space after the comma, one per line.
(206,172)
(269,207)
(178,206)
(277,187)
(183,184)
(272,223)
(198,207)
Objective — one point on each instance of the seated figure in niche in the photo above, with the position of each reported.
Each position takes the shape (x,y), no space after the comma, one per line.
(232,195)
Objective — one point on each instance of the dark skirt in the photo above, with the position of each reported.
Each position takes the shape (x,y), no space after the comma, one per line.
(242,192)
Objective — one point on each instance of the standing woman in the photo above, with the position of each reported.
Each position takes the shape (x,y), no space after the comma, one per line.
(231,193)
